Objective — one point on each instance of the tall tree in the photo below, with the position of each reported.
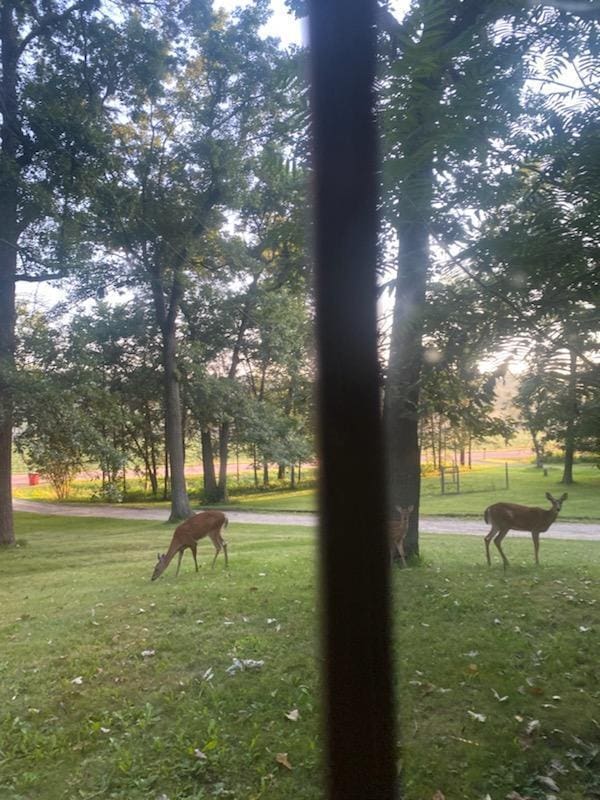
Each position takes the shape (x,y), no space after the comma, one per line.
(450,77)
(257,268)
(58,70)
(178,162)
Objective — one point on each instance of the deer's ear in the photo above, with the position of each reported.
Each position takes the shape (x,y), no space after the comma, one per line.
(410,509)
(549,497)
(158,556)
(564,497)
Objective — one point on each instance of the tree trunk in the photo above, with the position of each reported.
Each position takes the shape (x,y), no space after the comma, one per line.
(255,466)
(225,427)
(224,436)
(180,505)
(572,411)
(401,403)
(153,463)
(7,317)
(265,474)
(538,450)
(433,450)
(8,264)
(208,466)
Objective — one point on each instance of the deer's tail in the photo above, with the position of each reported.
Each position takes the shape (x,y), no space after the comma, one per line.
(486,515)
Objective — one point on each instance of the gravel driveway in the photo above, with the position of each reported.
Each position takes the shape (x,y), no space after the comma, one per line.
(586,531)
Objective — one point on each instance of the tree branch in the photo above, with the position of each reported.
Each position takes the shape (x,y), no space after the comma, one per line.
(47,21)
(45,276)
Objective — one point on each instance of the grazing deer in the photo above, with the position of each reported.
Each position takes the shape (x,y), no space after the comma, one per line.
(504,517)
(188,534)
(398,528)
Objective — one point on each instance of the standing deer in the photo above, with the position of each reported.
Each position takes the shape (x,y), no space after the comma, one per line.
(398,528)
(188,534)
(504,517)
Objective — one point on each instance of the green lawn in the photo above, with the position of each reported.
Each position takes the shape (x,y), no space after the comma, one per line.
(478,489)
(85,714)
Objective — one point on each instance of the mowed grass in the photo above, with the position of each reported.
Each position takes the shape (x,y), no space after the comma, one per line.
(84,713)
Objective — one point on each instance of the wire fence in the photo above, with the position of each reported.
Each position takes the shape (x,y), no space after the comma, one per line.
(454,479)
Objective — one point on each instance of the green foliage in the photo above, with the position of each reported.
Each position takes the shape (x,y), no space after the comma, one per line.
(56,433)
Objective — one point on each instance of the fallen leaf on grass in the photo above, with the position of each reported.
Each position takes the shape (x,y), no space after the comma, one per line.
(557,766)
(475,715)
(535,690)
(548,783)
(282,758)
(199,754)
(498,698)
(517,796)
(532,726)
(241,664)
(148,653)
(473,668)
(465,741)
(78,680)
(438,796)
(293,715)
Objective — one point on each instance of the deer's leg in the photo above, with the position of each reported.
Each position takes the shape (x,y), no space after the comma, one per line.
(179,561)
(193,549)
(498,543)
(216,540)
(487,540)
(220,544)
(224,543)
(400,549)
(536,544)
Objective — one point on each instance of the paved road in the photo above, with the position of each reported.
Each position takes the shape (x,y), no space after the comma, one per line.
(586,531)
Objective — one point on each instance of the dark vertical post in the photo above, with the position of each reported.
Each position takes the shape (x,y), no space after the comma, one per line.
(354,551)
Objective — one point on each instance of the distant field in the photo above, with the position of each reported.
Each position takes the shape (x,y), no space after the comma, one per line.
(479,487)
(114,687)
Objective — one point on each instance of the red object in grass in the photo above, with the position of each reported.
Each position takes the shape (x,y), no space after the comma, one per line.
(34,478)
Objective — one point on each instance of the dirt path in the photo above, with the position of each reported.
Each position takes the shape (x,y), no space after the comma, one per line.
(585,531)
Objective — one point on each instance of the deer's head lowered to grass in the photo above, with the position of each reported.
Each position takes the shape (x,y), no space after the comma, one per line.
(505,517)
(188,534)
